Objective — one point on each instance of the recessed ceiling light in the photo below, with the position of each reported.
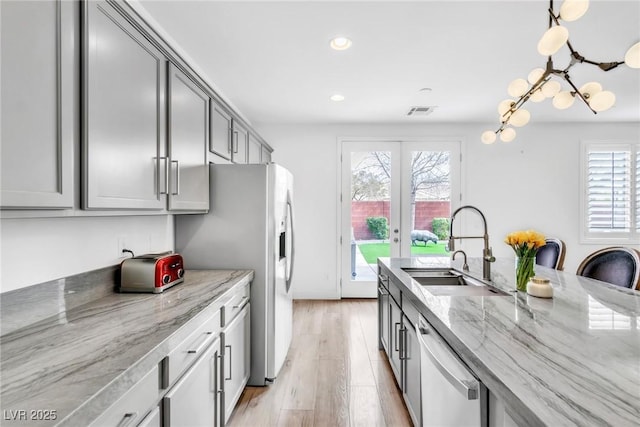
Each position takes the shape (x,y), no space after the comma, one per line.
(337,97)
(340,43)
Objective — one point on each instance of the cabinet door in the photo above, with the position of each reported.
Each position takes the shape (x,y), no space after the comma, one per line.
(188,141)
(411,371)
(152,419)
(395,344)
(220,131)
(240,141)
(193,401)
(237,362)
(254,150)
(383,318)
(38,47)
(124,113)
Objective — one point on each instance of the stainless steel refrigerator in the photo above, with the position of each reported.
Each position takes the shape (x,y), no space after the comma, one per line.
(250,226)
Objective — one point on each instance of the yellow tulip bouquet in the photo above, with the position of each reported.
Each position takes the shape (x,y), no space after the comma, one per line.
(526,245)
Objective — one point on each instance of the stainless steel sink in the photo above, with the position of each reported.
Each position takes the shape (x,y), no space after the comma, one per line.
(446,281)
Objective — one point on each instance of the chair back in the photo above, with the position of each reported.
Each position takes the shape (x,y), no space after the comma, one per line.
(616,265)
(551,254)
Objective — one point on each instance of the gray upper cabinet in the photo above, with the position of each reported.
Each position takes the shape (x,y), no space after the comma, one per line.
(188,141)
(254,150)
(240,141)
(221,129)
(38,52)
(124,78)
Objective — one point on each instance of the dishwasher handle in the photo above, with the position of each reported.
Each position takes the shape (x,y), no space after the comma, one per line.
(447,363)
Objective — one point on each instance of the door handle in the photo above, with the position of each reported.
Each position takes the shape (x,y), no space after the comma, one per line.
(230,361)
(177,178)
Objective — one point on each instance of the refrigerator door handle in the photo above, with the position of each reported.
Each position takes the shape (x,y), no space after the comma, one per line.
(290,259)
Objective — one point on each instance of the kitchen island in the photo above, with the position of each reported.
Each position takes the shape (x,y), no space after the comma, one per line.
(69,368)
(566,361)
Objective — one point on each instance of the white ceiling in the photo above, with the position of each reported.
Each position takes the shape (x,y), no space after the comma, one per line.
(273,62)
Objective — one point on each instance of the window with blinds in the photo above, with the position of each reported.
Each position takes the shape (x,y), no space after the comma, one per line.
(611,191)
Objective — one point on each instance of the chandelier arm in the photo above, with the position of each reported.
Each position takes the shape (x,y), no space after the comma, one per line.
(566,77)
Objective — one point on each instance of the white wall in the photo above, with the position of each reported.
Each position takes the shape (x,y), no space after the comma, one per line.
(532,182)
(36,250)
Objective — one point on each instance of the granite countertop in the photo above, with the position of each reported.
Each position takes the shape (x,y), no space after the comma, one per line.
(80,361)
(570,360)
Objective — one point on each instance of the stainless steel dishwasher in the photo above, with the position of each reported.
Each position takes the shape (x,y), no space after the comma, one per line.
(451,395)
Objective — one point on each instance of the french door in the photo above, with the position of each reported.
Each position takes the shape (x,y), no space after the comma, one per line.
(396,198)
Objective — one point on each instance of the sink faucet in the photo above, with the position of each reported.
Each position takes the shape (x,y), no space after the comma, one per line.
(487,253)
(465,266)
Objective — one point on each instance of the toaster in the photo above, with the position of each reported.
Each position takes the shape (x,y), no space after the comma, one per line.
(151,272)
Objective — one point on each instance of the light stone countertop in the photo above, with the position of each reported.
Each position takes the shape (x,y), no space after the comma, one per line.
(567,361)
(80,361)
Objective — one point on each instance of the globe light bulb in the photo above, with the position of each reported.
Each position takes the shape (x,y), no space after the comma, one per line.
(551,88)
(552,40)
(632,57)
(563,100)
(520,118)
(602,101)
(488,137)
(518,87)
(505,106)
(535,75)
(507,135)
(572,10)
(537,96)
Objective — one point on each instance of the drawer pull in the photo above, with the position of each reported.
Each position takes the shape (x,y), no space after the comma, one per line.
(128,418)
(202,345)
(242,302)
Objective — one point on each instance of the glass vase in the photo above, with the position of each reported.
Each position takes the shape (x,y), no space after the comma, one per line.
(524,271)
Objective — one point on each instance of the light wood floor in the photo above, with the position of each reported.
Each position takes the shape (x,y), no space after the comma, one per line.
(334,374)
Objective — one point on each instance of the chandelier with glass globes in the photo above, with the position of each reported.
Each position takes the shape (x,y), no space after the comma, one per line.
(540,84)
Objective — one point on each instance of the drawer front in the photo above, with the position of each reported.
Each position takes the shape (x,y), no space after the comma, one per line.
(234,305)
(394,291)
(187,352)
(410,311)
(134,404)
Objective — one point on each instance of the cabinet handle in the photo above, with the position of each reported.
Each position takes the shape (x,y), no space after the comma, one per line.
(382,291)
(202,345)
(403,343)
(235,142)
(242,302)
(177,192)
(395,336)
(128,418)
(166,175)
(383,279)
(230,366)
(229,140)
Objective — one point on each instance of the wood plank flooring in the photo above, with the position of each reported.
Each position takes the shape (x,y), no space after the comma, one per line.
(334,374)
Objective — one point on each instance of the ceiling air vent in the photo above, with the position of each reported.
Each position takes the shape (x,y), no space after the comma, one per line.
(420,111)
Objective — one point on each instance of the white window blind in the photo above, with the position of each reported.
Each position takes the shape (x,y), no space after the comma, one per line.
(611,191)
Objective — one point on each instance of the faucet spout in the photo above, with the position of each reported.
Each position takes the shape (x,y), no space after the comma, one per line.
(487,253)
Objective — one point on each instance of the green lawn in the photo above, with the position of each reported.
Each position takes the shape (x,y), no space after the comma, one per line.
(371,251)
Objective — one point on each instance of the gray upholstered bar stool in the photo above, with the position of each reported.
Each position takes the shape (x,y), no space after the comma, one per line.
(551,254)
(616,265)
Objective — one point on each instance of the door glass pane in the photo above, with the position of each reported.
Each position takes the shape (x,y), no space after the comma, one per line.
(430,202)
(370,207)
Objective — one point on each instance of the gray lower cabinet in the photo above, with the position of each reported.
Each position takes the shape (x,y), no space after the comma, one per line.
(254,150)
(236,338)
(188,168)
(194,399)
(124,114)
(38,85)
(152,419)
(240,141)
(395,349)
(383,317)
(221,131)
(411,366)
